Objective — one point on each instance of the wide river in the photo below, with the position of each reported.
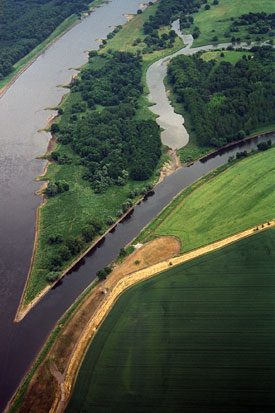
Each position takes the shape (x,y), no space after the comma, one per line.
(22,114)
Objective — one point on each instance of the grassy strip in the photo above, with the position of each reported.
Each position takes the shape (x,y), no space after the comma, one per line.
(21,392)
(219,195)
(199,335)
(59,31)
(147,233)
(216,21)
(239,198)
(20,65)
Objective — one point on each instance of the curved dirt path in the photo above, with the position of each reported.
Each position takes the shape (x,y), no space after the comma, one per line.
(114,293)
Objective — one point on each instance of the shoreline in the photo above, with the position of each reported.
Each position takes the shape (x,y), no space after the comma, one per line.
(96,320)
(5,88)
(22,310)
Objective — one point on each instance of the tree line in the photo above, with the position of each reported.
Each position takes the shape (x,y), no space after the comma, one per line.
(226,102)
(25,24)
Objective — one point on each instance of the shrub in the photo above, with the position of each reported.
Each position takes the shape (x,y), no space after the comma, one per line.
(52,276)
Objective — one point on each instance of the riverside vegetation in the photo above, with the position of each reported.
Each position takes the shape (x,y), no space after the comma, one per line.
(184,335)
(26,24)
(71,172)
(226,95)
(108,149)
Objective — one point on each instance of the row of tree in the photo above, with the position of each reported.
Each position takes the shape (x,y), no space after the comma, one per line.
(226,102)
(25,24)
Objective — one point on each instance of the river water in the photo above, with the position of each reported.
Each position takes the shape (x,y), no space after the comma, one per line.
(174,135)
(22,114)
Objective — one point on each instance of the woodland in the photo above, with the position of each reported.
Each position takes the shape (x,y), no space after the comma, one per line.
(112,144)
(26,23)
(226,102)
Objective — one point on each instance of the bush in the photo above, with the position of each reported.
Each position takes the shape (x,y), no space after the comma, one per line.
(263,146)
(102,274)
(52,276)
(55,239)
(110,220)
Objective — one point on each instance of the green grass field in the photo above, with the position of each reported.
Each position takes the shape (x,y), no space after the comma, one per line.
(216,21)
(197,338)
(237,199)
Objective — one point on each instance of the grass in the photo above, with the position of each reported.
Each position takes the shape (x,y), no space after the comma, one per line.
(216,21)
(22,390)
(230,56)
(198,337)
(237,199)
(61,29)
(68,212)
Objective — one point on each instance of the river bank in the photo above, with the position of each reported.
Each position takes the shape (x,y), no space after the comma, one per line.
(23,64)
(117,193)
(99,301)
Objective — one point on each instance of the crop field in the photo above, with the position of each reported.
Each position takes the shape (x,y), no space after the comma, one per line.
(197,338)
(237,199)
(216,21)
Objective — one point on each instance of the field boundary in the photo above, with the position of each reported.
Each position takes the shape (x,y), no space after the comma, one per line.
(118,289)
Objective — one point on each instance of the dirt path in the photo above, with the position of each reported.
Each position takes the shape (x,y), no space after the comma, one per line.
(121,286)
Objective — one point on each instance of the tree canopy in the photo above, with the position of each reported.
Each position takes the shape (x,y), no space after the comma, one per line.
(226,102)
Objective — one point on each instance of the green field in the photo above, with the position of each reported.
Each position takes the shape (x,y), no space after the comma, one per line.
(197,338)
(216,21)
(237,199)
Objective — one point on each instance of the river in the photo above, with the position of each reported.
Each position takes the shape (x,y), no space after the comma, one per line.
(22,114)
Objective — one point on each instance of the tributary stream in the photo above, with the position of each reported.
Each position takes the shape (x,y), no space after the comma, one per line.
(22,114)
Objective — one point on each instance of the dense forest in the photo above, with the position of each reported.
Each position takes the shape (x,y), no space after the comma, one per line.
(25,24)
(101,126)
(226,102)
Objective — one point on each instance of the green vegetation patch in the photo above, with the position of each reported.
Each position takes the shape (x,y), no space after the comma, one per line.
(207,210)
(28,26)
(225,101)
(215,23)
(235,200)
(198,337)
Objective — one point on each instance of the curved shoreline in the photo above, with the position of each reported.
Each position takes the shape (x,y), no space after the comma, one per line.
(93,325)
(23,310)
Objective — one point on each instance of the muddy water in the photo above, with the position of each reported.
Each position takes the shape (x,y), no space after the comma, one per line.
(21,115)
(174,134)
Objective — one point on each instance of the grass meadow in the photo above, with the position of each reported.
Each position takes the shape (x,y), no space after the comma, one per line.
(197,338)
(216,21)
(237,199)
